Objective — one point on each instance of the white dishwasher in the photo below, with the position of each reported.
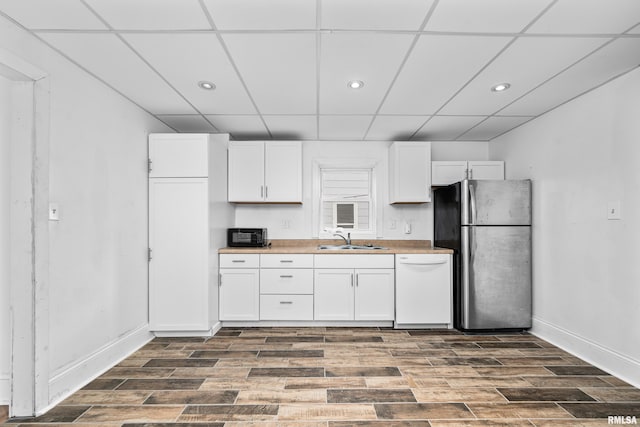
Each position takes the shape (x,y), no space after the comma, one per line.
(424,291)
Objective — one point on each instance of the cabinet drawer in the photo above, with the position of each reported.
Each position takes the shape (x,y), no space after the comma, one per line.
(286,307)
(239,260)
(286,261)
(286,281)
(354,261)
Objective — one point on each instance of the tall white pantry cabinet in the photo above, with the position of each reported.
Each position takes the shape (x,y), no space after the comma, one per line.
(188,215)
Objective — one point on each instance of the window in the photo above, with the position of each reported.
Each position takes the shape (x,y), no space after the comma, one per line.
(346,199)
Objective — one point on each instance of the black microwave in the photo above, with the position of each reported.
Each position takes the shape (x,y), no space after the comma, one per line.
(247,237)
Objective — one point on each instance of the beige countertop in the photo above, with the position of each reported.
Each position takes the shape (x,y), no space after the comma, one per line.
(310,246)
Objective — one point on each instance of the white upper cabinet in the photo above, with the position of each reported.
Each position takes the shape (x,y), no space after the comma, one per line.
(410,172)
(178,156)
(448,172)
(486,169)
(283,172)
(445,173)
(265,172)
(246,171)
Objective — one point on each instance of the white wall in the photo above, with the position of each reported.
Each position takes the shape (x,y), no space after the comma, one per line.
(97,251)
(5,167)
(586,270)
(300,217)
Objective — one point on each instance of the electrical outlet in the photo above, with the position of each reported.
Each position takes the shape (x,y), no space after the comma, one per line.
(393,224)
(407,228)
(285,223)
(614,210)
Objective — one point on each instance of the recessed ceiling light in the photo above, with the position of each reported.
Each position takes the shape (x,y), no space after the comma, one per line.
(501,87)
(355,84)
(206,85)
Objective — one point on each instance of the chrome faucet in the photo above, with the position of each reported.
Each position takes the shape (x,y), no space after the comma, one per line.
(347,240)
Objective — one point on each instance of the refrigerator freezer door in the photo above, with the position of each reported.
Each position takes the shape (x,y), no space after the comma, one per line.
(495,202)
(496,282)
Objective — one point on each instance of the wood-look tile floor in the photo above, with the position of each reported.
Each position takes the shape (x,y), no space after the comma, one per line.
(340,377)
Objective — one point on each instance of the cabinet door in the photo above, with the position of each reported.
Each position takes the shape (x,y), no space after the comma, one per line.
(178,239)
(445,173)
(178,155)
(410,172)
(333,294)
(239,294)
(374,294)
(246,171)
(283,171)
(486,170)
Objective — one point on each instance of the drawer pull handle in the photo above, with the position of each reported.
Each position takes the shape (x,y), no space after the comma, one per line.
(286,302)
(238,260)
(286,260)
(286,276)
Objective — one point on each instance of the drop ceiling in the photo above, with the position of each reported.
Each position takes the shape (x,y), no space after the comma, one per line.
(281,67)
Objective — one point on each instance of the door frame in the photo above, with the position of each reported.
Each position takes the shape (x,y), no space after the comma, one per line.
(29,235)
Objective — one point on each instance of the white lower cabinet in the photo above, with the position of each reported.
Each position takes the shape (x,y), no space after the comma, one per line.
(334,294)
(365,293)
(239,285)
(374,294)
(286,307)
(286,287)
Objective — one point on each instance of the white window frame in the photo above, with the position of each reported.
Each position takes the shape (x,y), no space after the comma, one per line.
(376,196)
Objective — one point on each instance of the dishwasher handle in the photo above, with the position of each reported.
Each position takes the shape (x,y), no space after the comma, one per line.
(404,260)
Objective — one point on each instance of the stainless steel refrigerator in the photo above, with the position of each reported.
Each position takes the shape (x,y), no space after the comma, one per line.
(488,225)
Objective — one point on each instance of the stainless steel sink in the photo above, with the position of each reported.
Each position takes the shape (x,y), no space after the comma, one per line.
(348,247)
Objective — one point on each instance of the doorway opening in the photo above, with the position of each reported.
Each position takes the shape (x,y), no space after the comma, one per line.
(24,174)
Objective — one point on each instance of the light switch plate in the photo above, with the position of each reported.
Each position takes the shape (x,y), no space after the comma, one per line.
(54,212)
(614,210)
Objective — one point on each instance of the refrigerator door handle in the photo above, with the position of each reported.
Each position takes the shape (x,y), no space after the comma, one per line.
(465,279)
(472,202)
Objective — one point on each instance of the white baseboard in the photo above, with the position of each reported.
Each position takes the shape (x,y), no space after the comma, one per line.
(215,328)
(76,375)
(305,323)
(617,364)
(5,397)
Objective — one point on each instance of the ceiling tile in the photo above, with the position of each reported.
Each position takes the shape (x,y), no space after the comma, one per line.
(240,127)
(438,67)
(278,69)
(446,128)
(372,58)
(263,15)
(151,14)
(520,66)
(186,59)
(110,59)
(612,60)
(383,15)
(493,127)
(588,17)
(188,123)
(344,127)
(293,127)
(486,16)
(59,14)
(395,128)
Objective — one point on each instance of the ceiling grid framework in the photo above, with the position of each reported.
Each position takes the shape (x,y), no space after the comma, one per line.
(281,67)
